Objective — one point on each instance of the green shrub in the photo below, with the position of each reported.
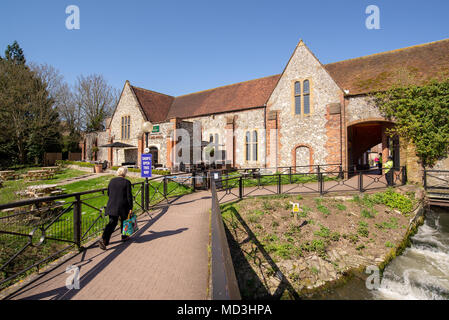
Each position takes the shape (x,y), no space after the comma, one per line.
(363,229)
(323,232)
(341,207)
(366,214)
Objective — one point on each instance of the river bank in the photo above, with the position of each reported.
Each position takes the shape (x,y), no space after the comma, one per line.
(282,255)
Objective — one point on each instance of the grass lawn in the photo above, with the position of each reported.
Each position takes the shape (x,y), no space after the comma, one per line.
(10,187)
(92,223)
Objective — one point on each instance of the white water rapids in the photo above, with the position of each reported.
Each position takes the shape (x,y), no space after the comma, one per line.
(422,271)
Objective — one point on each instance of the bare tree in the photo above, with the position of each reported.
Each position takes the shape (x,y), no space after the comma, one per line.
(96,99)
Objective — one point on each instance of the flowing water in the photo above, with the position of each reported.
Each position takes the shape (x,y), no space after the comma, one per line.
(421,272)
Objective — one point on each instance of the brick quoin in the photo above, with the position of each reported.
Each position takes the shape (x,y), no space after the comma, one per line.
(333,132)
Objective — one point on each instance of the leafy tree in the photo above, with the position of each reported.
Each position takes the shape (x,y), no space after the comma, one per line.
(29,126)
(421,116)
(15,54)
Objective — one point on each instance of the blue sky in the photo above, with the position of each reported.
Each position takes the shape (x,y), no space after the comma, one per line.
(179,47)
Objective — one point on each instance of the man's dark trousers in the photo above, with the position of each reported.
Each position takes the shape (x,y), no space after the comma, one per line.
(389,177)
(110,227)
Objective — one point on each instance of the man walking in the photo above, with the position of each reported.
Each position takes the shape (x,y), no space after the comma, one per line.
(120,205)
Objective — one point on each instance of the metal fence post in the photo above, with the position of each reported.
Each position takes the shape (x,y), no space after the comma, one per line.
(279,183)
(290,175)
(360,181)
(320,183)
(194,181)
(165,187)
(77,221)
(241,187)
(340,174)
(147,194)
(404,175)
(142,196)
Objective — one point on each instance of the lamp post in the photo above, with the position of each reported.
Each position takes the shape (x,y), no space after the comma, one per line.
(146,128)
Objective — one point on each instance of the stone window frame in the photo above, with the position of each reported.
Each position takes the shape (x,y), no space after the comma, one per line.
(125,127)
(251,144)
(293,96)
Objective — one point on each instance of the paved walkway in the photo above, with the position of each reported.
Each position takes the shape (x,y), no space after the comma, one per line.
(166,259)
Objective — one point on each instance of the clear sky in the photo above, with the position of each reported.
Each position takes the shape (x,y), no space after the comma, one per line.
(179,47)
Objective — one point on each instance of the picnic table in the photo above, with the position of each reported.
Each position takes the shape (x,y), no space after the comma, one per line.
(43,190)
(8,175)
(38,175)
(53,169)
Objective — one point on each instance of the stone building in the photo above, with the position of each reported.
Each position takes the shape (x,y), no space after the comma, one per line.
(309,114)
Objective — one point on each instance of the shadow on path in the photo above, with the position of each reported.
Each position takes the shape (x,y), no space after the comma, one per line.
(113,251)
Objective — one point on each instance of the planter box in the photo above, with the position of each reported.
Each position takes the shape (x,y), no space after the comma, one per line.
(98,168)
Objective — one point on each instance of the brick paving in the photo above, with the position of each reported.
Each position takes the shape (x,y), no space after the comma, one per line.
(166,259)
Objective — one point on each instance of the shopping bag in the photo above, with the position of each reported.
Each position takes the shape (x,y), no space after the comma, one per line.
(130,225)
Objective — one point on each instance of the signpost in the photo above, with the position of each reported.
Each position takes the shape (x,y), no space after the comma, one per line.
(146,161)
(145,172)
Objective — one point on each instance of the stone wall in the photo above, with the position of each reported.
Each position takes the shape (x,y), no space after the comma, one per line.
(361,108)
(243,121)
(308,130)
(127,106)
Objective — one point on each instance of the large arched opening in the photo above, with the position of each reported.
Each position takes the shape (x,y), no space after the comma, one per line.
(368,139)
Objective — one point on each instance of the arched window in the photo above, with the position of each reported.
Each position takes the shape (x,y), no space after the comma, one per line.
(306,94)
(297,97)
(254,145)
(248,146)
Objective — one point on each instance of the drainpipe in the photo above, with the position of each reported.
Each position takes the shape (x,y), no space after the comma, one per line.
(265,126)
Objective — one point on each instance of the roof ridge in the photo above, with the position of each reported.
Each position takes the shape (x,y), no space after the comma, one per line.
(387,52)
(228,85)
(152,91)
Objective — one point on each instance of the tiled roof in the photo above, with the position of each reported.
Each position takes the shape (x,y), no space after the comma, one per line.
(155,105)
(234,97)
(360,76)
(412,65)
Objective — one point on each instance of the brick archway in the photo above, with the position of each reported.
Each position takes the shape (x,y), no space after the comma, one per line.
(302,145)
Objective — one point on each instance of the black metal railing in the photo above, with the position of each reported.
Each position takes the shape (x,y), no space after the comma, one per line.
(231,187)
(37,231)
(223,282)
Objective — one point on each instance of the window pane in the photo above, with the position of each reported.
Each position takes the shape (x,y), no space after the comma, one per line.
(306,104)
(248,146)
(255,151)
(211,138)
(298,105)
(306,86)
(216,138)
(297,88)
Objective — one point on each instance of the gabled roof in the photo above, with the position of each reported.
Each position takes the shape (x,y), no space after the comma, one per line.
(377,72)
(234,97)
(155,105)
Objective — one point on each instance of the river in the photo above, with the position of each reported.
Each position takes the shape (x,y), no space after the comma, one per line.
(420,273)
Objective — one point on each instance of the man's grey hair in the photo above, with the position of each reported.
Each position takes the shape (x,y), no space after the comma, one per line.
(122,171)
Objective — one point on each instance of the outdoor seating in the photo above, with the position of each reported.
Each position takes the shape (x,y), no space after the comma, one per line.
(38,175)
(9,175)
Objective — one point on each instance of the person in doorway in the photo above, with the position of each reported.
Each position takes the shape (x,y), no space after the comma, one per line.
(120,205)
(379,163)
(389,171)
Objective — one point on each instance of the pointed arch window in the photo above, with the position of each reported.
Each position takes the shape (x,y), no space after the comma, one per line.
(301,97)
(255,145)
